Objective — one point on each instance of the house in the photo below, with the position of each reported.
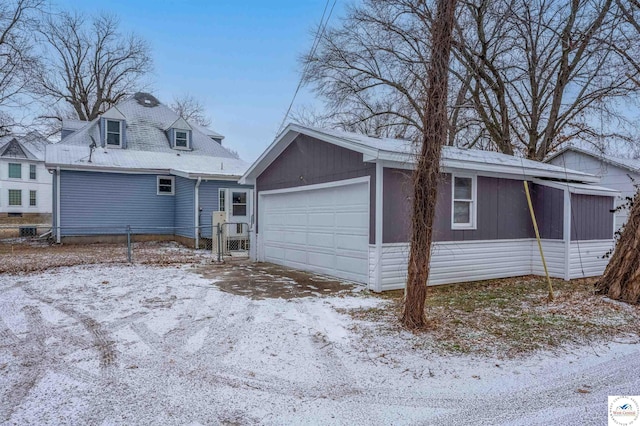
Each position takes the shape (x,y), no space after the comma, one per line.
(25,184)
(617,173)
(339,203)
(140,165)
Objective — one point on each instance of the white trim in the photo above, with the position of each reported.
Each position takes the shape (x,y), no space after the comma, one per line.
(9,169)
(566,233)
(222,191)
(473,209)
(246,204)
(9,205)
(173,185)
(58,220)
(205,176)
(35,166)
(35,191)
(378,224)
(196,220)
(316,186)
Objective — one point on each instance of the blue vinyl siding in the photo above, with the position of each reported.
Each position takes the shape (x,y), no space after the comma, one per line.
(184,205)
(54,210)
(209,202)
(105,203)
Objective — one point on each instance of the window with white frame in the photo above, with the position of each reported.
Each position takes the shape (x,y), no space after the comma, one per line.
(15,197)
(33,200)
(114,133)
(221,199)
(463,202)
(165,185)
(32,172)
(181,139)
(239,203)
(15,171)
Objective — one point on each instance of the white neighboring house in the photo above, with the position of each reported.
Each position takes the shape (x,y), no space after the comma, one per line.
(617,173)
(25,184)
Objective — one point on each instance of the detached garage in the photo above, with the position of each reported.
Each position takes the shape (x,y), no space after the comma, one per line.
(339,204)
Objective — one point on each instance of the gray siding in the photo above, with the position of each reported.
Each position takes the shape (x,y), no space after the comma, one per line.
(184,205)
(54,212)
(503,212)
(548,204)
(309,161)
(209,202)
(105,203)
(591,217)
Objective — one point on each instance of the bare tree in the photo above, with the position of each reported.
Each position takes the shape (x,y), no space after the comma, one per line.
(17,20)
(528,75)
(191,109)
(90,64)
(427,173)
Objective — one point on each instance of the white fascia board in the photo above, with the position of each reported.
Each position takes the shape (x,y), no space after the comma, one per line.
(593,190)
(287,136)
(204,176)
(51,166)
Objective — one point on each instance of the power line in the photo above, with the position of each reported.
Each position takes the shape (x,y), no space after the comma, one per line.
(314,46)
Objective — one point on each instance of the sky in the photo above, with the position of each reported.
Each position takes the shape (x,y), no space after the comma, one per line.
(240,59)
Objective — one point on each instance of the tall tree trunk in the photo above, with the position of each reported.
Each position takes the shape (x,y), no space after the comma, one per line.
(621,279)
(426,175)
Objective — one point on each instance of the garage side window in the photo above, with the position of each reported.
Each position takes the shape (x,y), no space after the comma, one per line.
(463,209)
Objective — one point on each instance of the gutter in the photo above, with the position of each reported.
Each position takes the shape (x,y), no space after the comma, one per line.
(197,212)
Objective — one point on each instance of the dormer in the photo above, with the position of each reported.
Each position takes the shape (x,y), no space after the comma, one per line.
(113,129)
(179,135)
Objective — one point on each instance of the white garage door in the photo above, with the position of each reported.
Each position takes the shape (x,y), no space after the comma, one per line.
(320,230)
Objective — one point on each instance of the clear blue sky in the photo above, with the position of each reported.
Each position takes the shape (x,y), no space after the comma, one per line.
(239,58)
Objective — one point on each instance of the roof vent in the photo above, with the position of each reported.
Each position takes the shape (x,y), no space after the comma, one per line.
(146,99)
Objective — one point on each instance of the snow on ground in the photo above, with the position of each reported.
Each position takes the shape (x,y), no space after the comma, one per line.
(118,344)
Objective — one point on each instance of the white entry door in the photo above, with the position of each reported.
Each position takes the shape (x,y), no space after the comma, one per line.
(322,229)
(239,211)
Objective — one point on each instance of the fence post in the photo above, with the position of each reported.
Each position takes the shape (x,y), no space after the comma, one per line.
(218,241)
(129,243)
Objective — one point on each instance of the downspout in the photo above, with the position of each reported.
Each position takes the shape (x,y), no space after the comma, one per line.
(197,212)
(57,224)
(378,227)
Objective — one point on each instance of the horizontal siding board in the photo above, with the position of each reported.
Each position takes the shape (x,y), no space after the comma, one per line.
(94,203)
(586,258)
(184,207)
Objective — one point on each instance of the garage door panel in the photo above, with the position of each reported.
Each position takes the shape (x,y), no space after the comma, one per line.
(323,230)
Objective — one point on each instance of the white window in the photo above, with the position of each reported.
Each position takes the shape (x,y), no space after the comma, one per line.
(33,200)
(181,139)
(15,197)
(15,171)
(239,203)
(165,185)
(114,133)
(32,172)
(463,202)
(221,200)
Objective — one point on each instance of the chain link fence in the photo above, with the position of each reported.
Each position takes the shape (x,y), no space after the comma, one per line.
(231,239)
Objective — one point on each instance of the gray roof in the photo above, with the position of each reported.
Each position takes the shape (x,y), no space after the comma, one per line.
(148,145)
(403,151)
(31,146)
(625,163)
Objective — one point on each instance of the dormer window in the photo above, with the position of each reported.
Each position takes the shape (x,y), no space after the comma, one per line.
(181,139)
(114,133)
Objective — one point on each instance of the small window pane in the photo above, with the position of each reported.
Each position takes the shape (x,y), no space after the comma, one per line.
(113,139)
(32,171)
(239,198)
(32,198)
(462,190)
(181,139)
(461,212)
(239,209)
(165,185)
(15,197)
(221,201)
(113,126)
(15,170)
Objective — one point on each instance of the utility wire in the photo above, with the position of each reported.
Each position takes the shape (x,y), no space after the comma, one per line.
(314,46)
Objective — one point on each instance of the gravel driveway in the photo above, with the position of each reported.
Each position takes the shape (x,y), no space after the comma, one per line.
(122,345)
